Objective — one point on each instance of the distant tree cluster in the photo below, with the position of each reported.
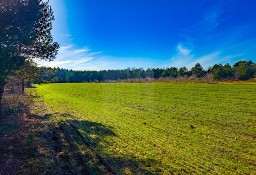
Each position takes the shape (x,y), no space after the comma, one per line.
(242,70)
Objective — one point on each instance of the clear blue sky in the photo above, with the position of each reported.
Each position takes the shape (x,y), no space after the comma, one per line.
(116,34)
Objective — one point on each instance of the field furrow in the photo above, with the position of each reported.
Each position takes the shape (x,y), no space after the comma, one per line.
(158,128)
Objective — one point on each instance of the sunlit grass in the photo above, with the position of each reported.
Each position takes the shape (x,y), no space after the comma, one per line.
(165,127)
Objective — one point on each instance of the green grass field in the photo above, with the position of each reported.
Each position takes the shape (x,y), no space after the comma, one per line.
(159,128)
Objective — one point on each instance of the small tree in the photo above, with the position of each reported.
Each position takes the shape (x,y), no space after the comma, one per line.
(182,71)
(25,34)
(29,72)
(198,70)
(254,68)
(46,75)
(228,72)
(220,72)
(244,70)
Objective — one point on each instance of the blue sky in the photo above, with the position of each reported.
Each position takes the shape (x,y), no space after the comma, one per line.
(116,34)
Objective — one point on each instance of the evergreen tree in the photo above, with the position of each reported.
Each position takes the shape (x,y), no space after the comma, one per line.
(25,34)
(183,71)
(198,70)
(244,70)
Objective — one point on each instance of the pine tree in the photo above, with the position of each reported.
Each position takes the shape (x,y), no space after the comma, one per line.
(25,34)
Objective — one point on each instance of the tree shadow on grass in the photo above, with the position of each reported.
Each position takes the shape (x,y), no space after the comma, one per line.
(91,138)
(11,125)
(85,139)
(69,146)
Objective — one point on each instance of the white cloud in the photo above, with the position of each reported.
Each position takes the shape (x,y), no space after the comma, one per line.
(81,51)
(69,51)
(53,63)
(217,57)
(211,19)
(206,60)
(184,57)
(65,47)
(70,57)
(183,50)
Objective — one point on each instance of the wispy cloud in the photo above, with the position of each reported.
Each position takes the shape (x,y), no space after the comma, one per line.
(188,59)
(211,19)
(207,35)
(206,60)
(214,16)
(54,63)
(183,56)
(183,50)
(71,57)
(217,57)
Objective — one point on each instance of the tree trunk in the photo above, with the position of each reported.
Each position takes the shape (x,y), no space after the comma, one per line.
(23,86)
(1,96)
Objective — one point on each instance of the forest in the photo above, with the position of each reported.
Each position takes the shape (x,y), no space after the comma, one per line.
(241,70)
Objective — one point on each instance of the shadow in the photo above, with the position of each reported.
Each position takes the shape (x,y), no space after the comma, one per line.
(93,133)
(11,147)
(40,117)
(90,136)
(70,146)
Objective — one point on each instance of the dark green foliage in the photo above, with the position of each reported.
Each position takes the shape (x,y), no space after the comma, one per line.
(198,70)
(28,72)
(220,72)
(244,70)
(64,75)
(25,34)
(170,72)
(183,71)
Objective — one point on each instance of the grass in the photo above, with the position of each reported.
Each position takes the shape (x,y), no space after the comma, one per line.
(155,128)
(13,147)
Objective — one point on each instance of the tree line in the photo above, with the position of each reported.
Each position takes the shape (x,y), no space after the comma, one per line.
(241,70)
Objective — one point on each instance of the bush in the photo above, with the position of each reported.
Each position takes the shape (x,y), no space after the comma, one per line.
(220,72)
(244,70)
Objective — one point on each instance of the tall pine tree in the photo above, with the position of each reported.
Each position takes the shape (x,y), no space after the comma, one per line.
(25,34)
